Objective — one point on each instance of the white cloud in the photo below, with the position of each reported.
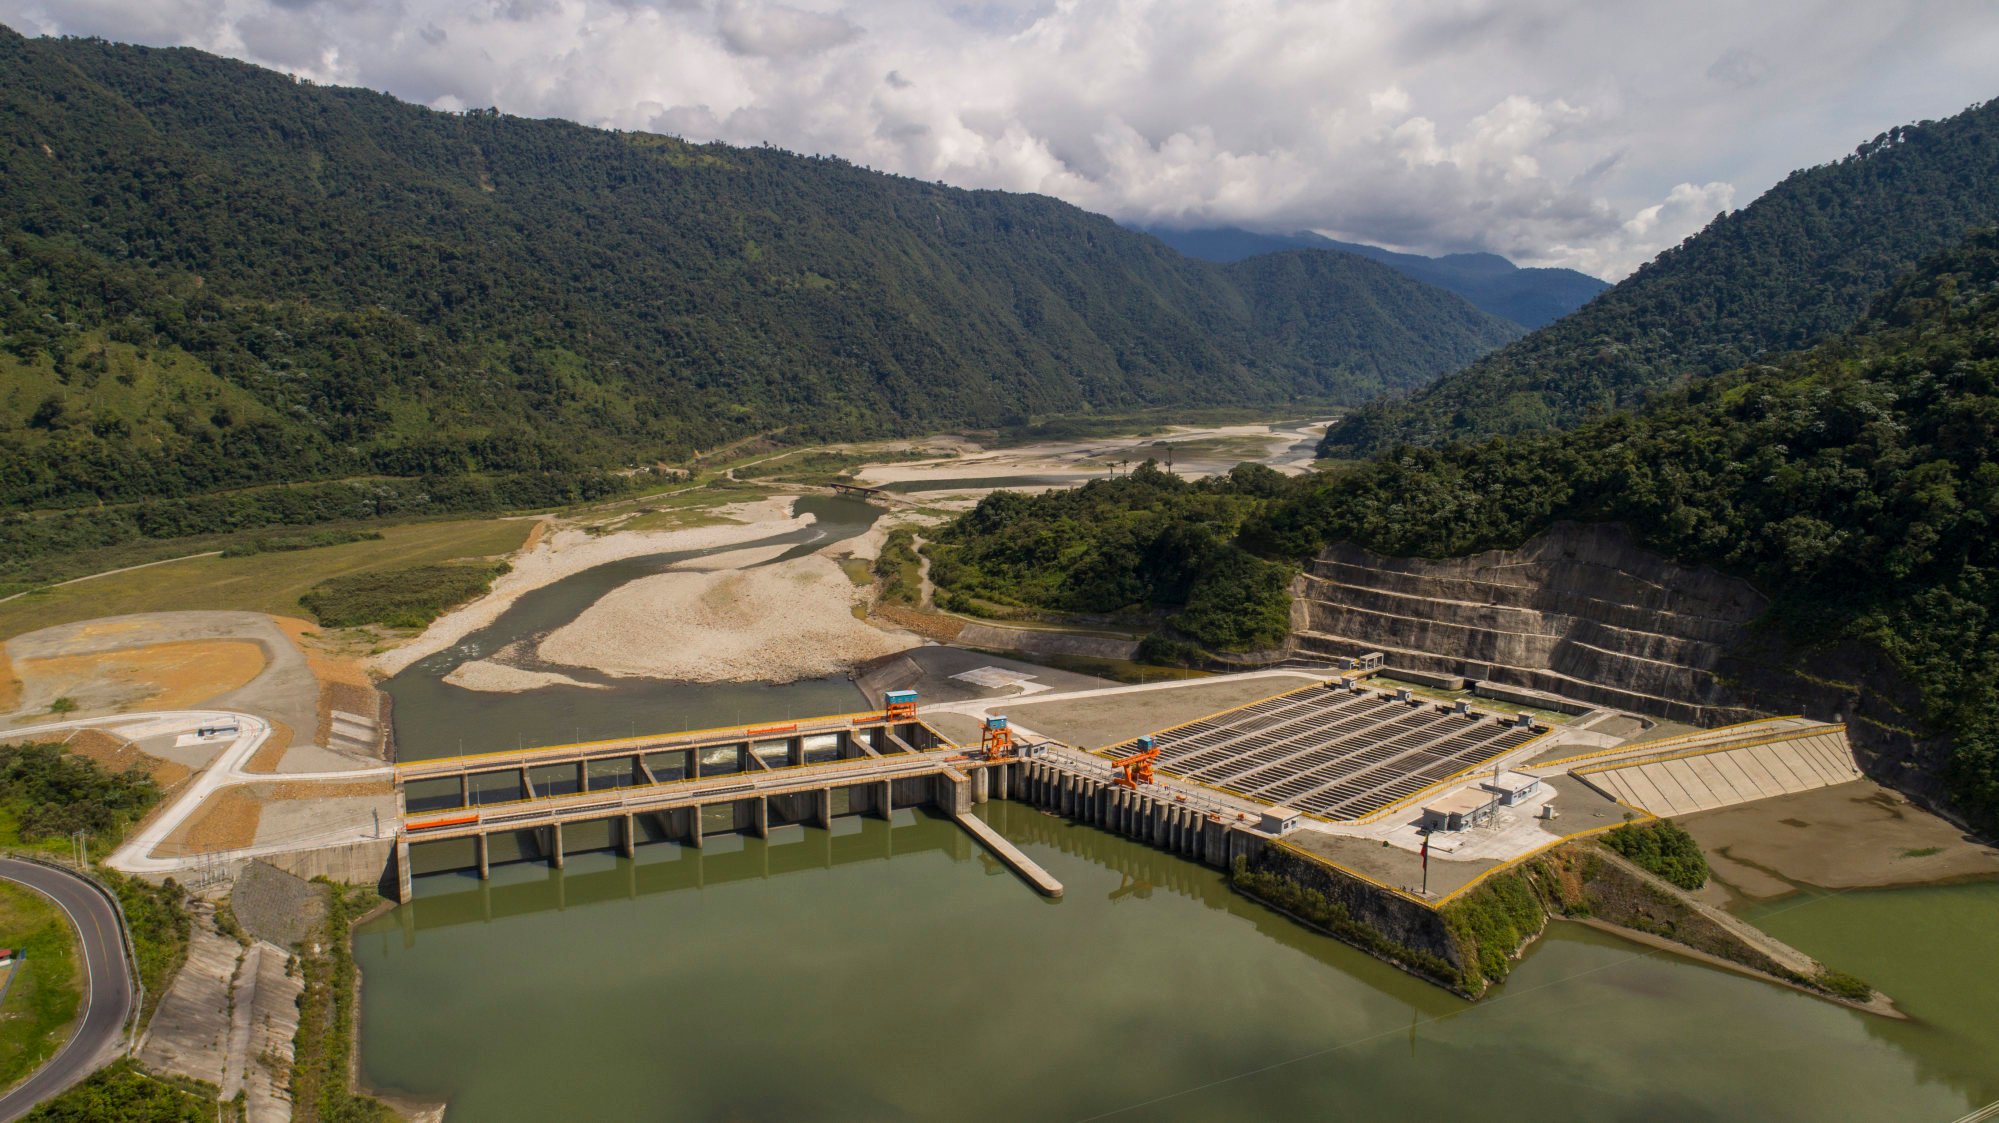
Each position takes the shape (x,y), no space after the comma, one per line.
(1589,135)
(748,27)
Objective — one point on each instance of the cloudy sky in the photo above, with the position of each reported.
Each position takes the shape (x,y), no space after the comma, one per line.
(1585,133)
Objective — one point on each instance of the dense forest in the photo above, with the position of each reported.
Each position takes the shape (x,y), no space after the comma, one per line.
(1145,543)
(1528,297)
(214,276)
(1797,265)
(1857,483)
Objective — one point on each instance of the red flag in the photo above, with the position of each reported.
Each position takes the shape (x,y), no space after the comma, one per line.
(1426,853)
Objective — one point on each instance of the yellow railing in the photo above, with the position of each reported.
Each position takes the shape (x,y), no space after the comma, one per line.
(1643,758)
(668,789)
(805,726)
(1663,742)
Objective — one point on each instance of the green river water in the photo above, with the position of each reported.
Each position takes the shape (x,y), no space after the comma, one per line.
(895,972)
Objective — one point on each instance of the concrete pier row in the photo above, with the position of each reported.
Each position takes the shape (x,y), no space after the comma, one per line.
(1156,815)
(550,828)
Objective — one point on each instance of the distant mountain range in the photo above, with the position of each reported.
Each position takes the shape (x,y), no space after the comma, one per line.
(214,276)
(1796,266)
(1528,297)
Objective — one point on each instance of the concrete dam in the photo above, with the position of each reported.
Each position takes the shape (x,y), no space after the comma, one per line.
(1579,612)
(541,805)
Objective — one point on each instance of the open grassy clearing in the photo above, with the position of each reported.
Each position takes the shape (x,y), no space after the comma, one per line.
(680,509)
(266,582)
(46,992)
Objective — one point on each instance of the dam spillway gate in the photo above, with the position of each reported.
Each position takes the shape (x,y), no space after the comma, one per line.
(473,812)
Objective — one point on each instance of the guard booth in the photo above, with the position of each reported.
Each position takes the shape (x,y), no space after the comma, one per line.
(900,705)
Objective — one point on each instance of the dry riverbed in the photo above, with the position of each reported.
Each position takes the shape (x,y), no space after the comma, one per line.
(570,551)
(1850,836)
(772,623)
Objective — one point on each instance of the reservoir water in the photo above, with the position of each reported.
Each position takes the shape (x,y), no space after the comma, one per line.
(893,971)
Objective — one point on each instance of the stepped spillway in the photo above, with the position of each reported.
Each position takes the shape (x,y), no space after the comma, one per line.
(1581,611)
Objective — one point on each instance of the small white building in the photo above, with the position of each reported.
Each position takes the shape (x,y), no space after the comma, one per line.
(1461,810)
(1513,788)
(1278,821)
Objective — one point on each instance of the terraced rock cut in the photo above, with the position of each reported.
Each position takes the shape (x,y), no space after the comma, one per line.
(1582,612)
(1334,752)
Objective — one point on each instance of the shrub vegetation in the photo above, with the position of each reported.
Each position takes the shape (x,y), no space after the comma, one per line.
(398,598)
(1662,847)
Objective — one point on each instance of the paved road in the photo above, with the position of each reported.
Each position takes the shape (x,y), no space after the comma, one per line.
(227,769)
(108,991)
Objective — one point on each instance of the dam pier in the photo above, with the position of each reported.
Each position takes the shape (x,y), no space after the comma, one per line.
(473,812)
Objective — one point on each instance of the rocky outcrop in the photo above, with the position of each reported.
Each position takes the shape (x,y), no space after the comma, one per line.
(1586,613)
(1582,612)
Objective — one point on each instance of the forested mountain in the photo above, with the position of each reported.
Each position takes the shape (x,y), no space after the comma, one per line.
(1793,267)
(212,275)
(1528,297)
(1856,483)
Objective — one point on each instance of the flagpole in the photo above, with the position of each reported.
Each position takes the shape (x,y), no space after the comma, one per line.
(1426,863)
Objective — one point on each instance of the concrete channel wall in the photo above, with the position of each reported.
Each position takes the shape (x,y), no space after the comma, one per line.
(1148,816)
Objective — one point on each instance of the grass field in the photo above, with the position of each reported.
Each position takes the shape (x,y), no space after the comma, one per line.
(269,582)
(46,992)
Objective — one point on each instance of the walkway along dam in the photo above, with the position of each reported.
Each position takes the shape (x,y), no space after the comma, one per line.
(472,812)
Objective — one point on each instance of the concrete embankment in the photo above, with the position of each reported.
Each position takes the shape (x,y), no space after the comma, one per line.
(1470,941)
(1388,925)
(1045,641)
(1582,612)
(1613,892)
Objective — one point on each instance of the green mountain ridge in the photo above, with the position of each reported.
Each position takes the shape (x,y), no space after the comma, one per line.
(1856,483)
(1797,265)
(1530,297)
(213,276)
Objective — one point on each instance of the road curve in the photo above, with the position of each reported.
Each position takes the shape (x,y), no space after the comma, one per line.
(108,989)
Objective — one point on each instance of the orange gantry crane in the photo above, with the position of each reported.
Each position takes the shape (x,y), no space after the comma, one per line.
(1136,769)
(996,739)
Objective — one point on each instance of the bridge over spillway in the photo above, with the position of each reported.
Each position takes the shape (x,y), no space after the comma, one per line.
(470,812)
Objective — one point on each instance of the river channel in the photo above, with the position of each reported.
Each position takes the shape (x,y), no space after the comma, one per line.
(435,718)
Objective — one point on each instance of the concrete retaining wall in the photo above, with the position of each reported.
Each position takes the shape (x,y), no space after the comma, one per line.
(359,863)
(1145,815)
(1036,641)
(1580,611)
(1381,922)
